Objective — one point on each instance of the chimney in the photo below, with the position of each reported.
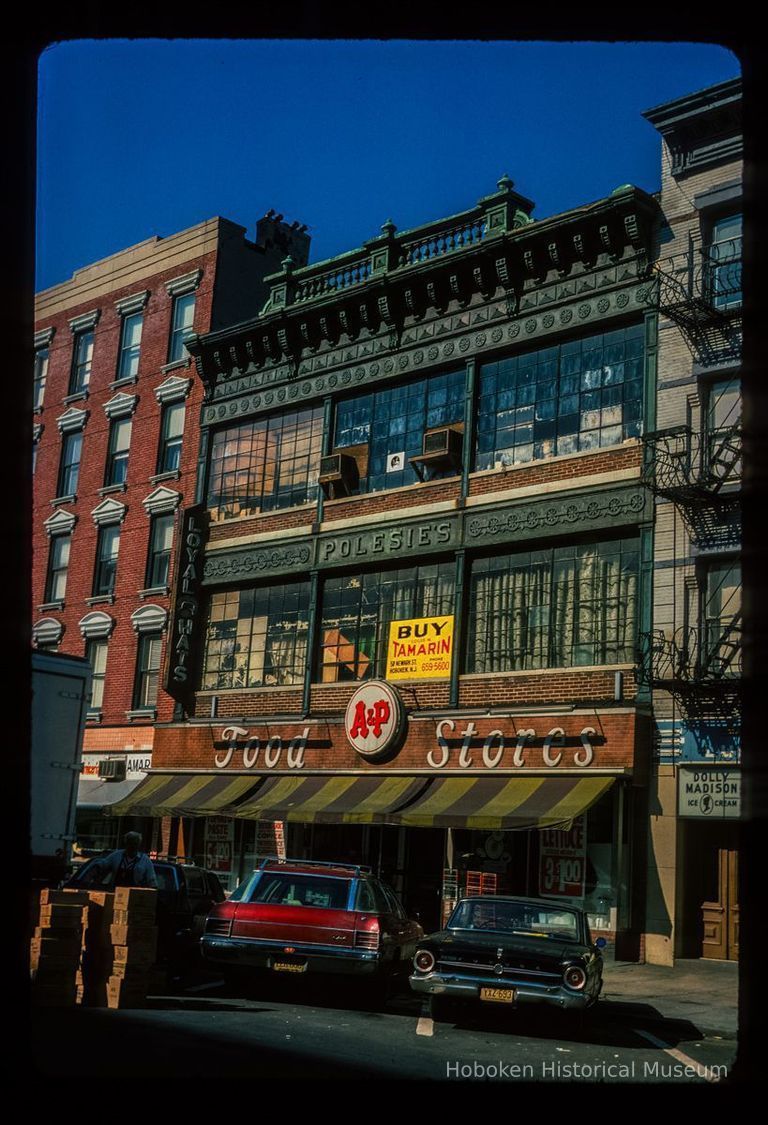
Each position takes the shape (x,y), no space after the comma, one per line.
(279,239)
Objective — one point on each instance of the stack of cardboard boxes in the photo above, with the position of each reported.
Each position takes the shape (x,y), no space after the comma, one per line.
(56,946)
(95,948)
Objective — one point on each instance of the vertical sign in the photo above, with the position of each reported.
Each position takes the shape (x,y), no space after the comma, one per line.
(185,626)
(562,861)
(219,844)
(270,839)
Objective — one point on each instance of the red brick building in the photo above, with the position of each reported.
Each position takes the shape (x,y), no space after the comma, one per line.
(437,434)
(116,431)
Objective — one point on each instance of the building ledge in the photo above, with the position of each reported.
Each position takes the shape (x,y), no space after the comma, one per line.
(172,474)
(155,592)
(126,381)
(101,599)
(109,488)
(176,363)
(147,713)
(94,716)
(76,396)
(47,606)
(70,499)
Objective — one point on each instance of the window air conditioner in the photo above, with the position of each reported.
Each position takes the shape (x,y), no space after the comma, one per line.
(441,449)
(112,769)
(338,474)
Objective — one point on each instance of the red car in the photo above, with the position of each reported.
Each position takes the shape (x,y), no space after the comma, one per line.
(297,916)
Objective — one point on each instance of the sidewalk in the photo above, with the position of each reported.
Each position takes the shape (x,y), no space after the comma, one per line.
(705,993)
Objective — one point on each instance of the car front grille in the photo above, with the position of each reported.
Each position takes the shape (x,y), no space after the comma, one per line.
(221,927)
(486,968)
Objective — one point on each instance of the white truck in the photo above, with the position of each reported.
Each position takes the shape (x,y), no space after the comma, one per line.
(61,692)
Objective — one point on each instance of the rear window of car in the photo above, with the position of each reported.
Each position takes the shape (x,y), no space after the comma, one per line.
(287,889)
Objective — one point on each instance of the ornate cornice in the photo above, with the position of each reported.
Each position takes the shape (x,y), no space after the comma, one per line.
(109,511)
(85,321)
(161,501)
(47,631)
(586,302)
(60,523)
(423,277)
(44,336)
(72,420)
(96,625)
(150,619)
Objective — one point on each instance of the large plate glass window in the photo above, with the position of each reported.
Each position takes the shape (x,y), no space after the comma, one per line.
(581,395)
(257,637)
(358,608)
(574,605)
(392,422)
(267,464)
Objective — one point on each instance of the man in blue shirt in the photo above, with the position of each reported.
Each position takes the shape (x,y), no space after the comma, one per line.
(129,866)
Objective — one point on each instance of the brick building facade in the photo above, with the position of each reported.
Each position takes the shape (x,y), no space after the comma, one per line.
(693,465)
(440,430)
(116,431)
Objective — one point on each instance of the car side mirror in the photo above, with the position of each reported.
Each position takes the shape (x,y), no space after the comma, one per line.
(600,943)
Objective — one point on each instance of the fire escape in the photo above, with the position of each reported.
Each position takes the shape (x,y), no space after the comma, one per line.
(700,473)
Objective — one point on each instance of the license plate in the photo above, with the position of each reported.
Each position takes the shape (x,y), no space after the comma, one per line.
(289,967)
(499,995)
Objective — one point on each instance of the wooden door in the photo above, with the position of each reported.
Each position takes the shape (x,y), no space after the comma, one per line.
(720,917)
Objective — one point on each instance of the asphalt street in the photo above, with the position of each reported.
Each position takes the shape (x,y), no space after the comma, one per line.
(312,1031)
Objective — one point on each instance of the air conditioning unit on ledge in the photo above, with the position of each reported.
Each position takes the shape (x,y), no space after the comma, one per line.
(441,449)
(338,474)
(112,769)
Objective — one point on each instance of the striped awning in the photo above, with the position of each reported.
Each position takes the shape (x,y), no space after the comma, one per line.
(332,800)
(94,795)
(501,803)
(184,794)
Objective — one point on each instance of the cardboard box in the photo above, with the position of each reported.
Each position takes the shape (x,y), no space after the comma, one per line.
(60,915)
(50,897)
(67,935)
(133,955)
(134,935)
(123,993)
(139,900)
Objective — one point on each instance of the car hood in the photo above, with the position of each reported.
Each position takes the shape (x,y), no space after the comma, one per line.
(455,943)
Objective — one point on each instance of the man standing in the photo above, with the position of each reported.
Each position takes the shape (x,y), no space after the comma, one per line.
(129,866)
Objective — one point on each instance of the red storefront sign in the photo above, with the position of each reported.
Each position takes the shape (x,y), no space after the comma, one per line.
(219,843)
(562,861)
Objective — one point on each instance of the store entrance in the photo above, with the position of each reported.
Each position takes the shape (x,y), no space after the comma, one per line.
(712,898)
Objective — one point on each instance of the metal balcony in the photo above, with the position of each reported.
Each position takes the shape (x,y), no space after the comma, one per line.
(700,290)
(700,668)
(701,474)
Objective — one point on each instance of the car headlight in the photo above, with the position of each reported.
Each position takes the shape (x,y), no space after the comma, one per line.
(575,977)
(424,961)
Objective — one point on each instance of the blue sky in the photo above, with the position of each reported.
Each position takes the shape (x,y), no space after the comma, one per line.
(145,137)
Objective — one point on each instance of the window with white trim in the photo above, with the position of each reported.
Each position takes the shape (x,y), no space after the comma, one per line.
(130,345)
(96,655)
(82,359)
(58,564)
(181,325)
(106,560)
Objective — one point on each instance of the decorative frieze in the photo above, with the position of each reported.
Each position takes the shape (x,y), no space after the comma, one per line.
(516,522)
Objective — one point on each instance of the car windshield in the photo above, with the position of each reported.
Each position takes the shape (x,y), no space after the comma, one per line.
(526,918)
(290,889)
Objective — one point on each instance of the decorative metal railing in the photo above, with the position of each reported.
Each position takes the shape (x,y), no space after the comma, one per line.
(442,241)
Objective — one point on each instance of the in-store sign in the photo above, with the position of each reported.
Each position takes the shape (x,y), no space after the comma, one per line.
(562,861)
(420,648)
(396,461)
(219,843)
(374,721)
(709,794)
